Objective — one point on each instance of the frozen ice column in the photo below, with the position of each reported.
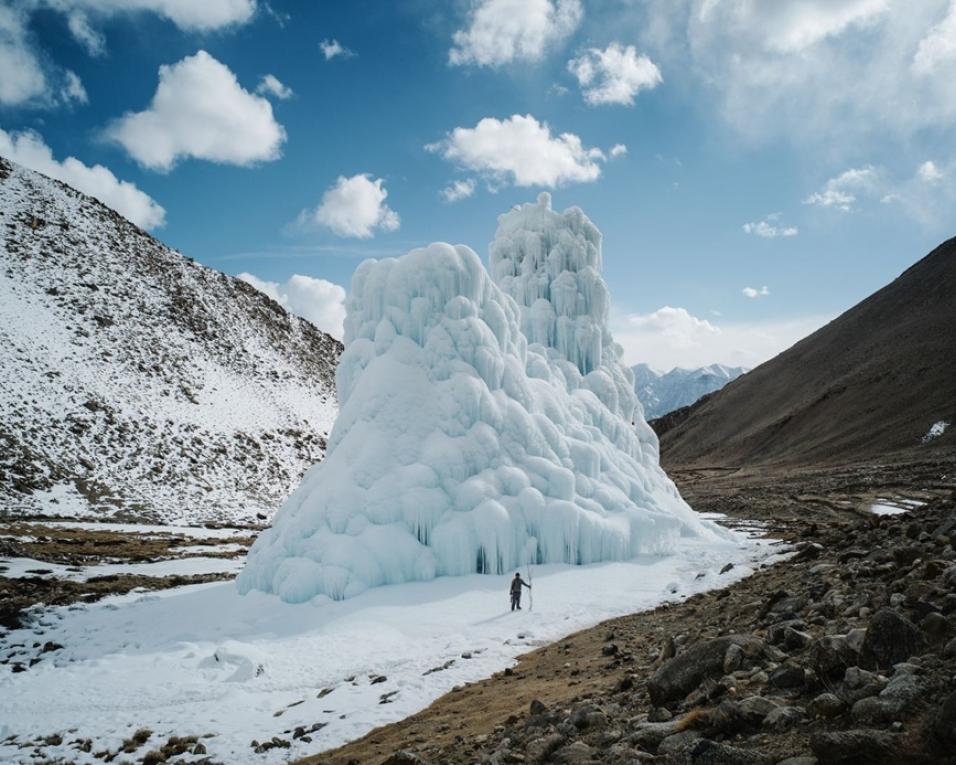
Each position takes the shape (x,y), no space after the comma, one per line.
(459,449)
(550,263)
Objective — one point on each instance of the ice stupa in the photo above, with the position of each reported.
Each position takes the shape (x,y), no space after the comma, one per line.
(483,424)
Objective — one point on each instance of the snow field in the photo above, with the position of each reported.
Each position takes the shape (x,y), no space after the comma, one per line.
(204,660)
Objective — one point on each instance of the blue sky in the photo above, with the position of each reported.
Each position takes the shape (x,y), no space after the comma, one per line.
(827,125)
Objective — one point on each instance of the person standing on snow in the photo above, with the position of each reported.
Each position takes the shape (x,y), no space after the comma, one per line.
(516,584)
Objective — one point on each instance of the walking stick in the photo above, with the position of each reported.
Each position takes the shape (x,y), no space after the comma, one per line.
(531,546)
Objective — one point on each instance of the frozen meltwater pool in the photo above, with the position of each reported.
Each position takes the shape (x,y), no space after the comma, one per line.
(894,506)
(204,660)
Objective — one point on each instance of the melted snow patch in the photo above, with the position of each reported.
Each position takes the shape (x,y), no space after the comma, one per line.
(894,506)
(18,568)
(937,429)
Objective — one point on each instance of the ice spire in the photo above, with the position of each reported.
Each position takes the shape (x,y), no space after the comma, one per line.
(460,447)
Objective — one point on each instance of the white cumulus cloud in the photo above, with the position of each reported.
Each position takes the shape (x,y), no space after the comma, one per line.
(28,149)
(753,292)
(841,191)
(506,31)
(200,110)
(458,190)
(270,85)
(522,151)
(91,39)
(193,15)
(354,207)
(938,47)
(929,173)
(815,71)
(618,150)
(316,300)
(332,48)
(73,89)
(614,75)
(21,76)
(770,228)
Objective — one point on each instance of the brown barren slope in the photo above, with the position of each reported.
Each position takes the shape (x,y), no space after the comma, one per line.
(871,382)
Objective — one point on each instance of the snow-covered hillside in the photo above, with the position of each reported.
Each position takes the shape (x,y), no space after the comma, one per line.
(661,393)
(135,382)
(484,424)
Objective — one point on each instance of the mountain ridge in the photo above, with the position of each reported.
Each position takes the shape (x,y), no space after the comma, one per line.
(873,382)
(136,382)
(663,392)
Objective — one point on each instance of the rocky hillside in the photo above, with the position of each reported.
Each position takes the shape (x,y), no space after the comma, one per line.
(137,383)
(661,393)
(879,380)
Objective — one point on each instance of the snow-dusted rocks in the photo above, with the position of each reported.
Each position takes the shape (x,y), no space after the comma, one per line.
(476,432)
(137,383)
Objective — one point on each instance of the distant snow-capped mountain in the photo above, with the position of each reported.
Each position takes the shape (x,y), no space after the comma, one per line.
(137,383)
(661,393)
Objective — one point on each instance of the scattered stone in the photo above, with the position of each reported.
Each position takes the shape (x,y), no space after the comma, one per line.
(936,627)
(787,676)
(944,726)
(783,718)
(578,752)
(853,747)
(403,757)
(706,752)
(685,672)
(890,639)
(830,656)
(827,706)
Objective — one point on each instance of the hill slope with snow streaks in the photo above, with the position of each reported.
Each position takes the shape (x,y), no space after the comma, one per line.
(137,383)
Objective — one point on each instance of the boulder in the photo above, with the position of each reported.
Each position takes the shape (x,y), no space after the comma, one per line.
(577,752)
(675,745)
(860,684)
(587,716)
(650,734)
(936,627)
(890,639)
(755,708)
(830,656)
(706,752)
(541,749)
(686,671)
(944,726)
(784,718)
(853,747)
(896,701)
(826,705)
(787,676)
(403,757)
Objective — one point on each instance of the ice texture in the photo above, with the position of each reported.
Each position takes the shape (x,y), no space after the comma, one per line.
(483,425)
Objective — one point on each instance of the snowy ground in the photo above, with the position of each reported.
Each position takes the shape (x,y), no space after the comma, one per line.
(203,660)
(16,568)
(894,506)
(195,532)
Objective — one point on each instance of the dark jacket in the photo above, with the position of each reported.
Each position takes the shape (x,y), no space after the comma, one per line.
(516,585)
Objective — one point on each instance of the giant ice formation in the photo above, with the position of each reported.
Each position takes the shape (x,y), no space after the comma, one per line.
(483,424)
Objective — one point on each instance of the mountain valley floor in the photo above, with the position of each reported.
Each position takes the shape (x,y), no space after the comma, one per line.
(796,669)
(845,653)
